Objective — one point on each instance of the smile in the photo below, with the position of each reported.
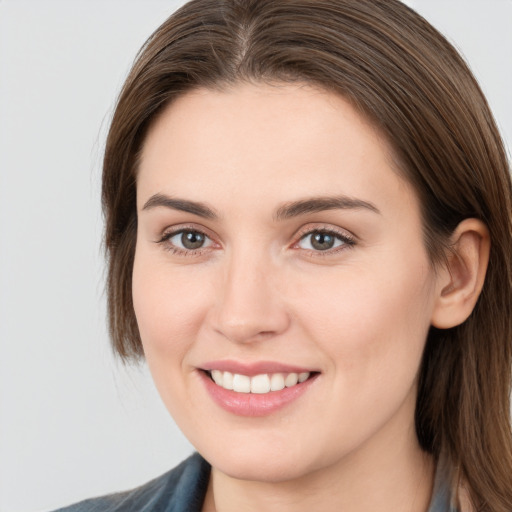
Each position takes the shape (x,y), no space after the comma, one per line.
(256,389)
(258,384)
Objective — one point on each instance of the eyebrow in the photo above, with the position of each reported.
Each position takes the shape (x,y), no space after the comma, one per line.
(319,204)
(287,211)
(196,208)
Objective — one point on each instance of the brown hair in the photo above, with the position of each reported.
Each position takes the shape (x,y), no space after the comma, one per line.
(399,72)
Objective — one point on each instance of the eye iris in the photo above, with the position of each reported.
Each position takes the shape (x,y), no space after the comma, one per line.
(322,241)
(192,239)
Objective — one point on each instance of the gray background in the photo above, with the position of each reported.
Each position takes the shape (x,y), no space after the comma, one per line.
(73,422)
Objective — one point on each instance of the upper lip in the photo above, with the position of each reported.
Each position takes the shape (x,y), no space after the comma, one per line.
(253,368)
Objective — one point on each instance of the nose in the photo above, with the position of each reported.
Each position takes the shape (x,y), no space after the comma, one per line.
(250,307)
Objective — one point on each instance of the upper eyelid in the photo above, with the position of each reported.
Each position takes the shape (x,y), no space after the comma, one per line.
(304,230)
(172,234)
(170,231)
(343,233)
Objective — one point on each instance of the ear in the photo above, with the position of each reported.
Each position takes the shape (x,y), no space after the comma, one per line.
(461,279)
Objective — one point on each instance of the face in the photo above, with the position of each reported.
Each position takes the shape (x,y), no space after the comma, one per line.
(279,253)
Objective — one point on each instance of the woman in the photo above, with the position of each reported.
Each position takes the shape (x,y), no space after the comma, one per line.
(308,225)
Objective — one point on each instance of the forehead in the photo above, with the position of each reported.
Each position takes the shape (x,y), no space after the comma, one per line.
(277,140)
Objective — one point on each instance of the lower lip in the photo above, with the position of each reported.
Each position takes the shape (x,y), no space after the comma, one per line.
(254,404)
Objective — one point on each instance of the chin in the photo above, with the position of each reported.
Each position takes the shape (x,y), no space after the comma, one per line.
(270,462)
(269,470)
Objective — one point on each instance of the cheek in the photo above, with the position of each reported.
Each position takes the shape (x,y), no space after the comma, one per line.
(170,311)
(169,307)
(373,324)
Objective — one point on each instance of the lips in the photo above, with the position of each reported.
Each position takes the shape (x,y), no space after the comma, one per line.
(251,369)
(255,389)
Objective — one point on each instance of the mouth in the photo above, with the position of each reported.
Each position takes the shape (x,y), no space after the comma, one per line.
(261,384)
(256,390)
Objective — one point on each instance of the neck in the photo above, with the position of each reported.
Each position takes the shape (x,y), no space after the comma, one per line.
(389,477)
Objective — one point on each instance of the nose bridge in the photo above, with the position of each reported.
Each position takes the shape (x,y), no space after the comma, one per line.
(250,306)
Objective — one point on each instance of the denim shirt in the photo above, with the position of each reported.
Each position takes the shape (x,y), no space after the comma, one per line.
(183,489)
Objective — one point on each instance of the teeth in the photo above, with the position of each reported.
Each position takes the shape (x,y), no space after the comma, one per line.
(217,377)
(277,382)
(291,380)
(259,384)
(241,383)
(227,382)
(302,376)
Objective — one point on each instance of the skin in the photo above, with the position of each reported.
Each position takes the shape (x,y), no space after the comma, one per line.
(358,313)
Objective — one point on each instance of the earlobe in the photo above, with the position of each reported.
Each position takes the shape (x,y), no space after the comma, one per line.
(461,280)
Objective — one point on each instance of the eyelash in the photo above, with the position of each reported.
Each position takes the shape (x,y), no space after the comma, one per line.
(347,241)
(164,241)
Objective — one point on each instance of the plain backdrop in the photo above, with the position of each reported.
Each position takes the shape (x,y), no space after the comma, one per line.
(74,423)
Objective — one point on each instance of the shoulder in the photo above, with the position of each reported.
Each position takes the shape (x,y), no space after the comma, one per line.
(181,489)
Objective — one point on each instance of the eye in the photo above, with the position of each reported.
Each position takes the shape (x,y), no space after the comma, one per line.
(186,240)
(324,240)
